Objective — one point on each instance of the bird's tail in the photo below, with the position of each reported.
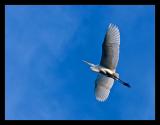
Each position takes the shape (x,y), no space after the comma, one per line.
(116,75)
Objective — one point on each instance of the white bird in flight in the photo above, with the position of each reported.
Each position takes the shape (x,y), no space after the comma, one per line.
(107,68)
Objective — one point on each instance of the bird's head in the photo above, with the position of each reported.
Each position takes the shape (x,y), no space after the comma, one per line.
(94,68)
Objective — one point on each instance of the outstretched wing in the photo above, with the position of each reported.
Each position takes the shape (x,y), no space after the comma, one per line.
(103,84)
(110,48)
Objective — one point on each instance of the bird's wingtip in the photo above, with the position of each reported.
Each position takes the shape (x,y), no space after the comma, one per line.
(112,25)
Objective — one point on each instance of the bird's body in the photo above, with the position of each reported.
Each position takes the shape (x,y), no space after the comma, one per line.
(103,70)
(107,68)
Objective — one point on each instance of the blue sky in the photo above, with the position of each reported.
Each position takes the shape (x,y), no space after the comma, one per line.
(45,78)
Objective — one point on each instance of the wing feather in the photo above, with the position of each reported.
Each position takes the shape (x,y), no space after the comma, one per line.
(110,48)
(103,85)
(109,59)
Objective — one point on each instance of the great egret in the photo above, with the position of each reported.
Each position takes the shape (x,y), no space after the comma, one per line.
(107,68)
